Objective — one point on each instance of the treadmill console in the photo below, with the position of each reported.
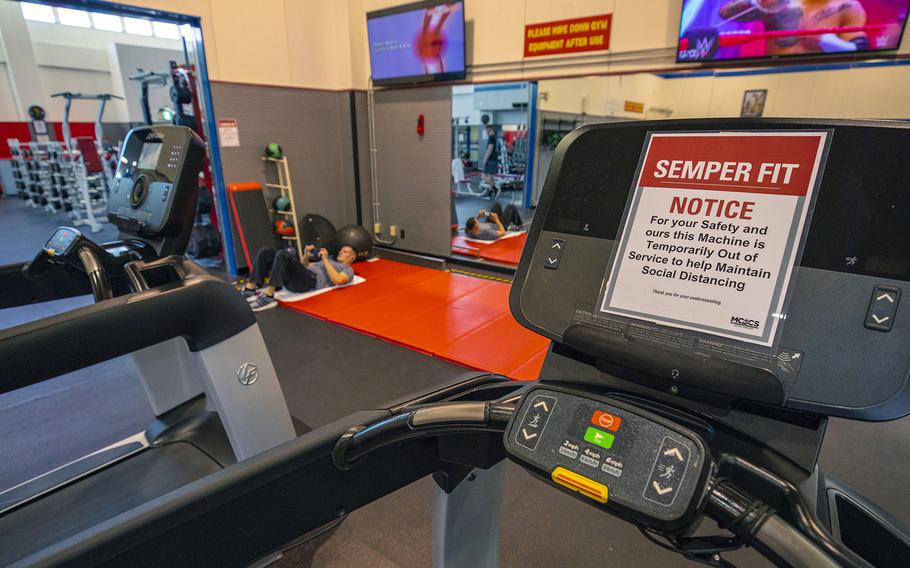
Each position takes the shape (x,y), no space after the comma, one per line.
(155,184)
(760,260)
(63,242)
(622,458)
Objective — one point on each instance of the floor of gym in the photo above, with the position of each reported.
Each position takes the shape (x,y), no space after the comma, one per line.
(25,229)
(71,415)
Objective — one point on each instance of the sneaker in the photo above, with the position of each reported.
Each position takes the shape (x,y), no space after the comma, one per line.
(248,295)
(263,302)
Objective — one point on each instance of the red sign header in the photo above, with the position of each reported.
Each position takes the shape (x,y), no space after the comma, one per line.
(772,164)
(568,36)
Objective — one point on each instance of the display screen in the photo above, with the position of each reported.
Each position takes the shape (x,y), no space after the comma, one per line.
(418,42)
(717,30)
(148,157)
(61,241)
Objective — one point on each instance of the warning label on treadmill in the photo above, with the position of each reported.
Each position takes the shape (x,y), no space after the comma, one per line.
(713,230)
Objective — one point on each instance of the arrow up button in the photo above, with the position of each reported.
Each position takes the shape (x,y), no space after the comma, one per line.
(882,308)
(554,254)
(534,422)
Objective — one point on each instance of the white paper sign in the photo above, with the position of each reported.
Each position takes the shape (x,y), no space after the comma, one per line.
(713,231)
(228,133)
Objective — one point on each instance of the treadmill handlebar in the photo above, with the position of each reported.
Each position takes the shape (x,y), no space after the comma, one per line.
(790,537)
(38,265)
(424,422)
(202,309)
(762,528)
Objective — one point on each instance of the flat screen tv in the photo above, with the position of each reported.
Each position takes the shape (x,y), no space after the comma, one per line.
(721,30)
(417,43)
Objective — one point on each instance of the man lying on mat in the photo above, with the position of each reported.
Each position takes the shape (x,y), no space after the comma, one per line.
(285,271)
(478,230)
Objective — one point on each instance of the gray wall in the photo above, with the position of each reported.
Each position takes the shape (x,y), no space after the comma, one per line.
(314,130)
(413,172)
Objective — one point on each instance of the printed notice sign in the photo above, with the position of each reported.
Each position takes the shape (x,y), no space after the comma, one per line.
(713,230)
(228,133)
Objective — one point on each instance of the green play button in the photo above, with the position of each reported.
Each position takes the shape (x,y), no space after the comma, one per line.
(599,438)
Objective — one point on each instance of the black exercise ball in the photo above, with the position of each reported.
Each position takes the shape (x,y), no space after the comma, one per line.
(316,230)
(355,237)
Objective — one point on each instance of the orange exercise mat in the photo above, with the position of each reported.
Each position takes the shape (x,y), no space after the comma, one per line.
(506,251)
(451,316)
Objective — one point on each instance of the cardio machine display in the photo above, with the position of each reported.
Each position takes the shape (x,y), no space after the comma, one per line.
(62,241)
(743,247)
(153,161)
(152,203)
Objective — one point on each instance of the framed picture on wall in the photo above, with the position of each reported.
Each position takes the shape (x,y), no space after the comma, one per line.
(754,103)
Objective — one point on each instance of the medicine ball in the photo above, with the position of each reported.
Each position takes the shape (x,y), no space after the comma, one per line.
(273,150)
(316,230)
(355,237)
(282,204)
(284,229)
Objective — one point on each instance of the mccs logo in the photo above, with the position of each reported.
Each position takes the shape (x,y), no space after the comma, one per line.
(744,322)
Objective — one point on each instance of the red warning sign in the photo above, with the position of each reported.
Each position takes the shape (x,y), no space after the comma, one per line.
(568,36)
(713,231)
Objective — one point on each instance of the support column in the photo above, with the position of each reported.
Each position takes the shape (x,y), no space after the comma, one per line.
(20,60)
(466,521)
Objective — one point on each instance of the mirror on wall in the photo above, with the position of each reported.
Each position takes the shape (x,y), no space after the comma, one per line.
(490,157)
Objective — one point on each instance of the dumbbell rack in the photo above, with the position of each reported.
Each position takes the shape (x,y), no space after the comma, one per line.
(52,176)
(284,186)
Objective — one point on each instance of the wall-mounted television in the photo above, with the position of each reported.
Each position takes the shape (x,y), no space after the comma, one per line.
(721,30)
(417,43)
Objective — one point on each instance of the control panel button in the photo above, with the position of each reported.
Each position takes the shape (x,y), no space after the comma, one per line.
(606,420)
(667,473)
(535,421)
(599,438)
(554,254)
(581,484)
(611,469)
(882,308)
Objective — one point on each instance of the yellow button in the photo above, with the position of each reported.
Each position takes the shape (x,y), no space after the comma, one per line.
(587,487)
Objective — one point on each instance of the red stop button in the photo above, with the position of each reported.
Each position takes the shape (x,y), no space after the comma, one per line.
(606,420)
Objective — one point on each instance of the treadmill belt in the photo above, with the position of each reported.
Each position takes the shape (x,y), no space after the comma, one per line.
(108,493)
